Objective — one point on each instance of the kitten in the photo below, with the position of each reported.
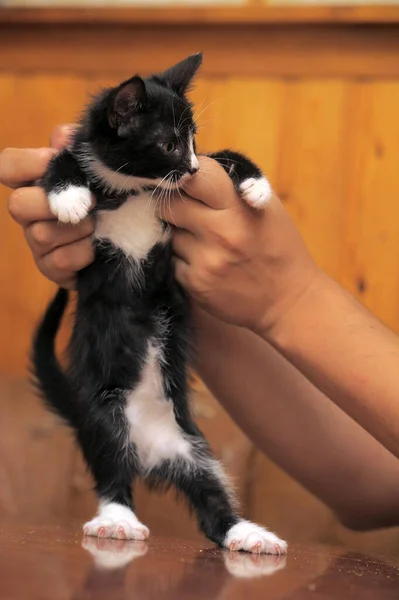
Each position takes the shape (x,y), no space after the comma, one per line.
(125,393)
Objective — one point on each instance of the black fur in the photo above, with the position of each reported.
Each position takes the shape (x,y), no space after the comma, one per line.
(126,129)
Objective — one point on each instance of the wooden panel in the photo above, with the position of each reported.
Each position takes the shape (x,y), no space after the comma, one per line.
(371,266)
(253,13)
(35,456)
(310,176)
(244,114)
(32,106)
(260,50)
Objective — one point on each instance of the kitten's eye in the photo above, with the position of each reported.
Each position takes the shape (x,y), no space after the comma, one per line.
(169,147)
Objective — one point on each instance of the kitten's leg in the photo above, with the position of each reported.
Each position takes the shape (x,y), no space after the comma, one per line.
(67,188)
(248,179)
(106,446)
(204,483)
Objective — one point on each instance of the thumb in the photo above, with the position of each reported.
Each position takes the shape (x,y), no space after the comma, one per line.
(211,185)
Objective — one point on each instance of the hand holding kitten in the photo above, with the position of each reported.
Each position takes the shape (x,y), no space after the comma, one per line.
(243,265)
(58,250)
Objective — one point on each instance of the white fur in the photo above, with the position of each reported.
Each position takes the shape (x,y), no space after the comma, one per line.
(70,205)
(116,181)
(253,538)
(257,192)
(116,521)
(153,427)
(194,160)
(133,227)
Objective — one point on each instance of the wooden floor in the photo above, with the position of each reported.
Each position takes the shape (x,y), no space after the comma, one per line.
(55,563)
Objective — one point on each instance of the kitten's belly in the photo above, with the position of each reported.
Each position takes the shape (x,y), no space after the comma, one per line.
(133,227)
(153,428)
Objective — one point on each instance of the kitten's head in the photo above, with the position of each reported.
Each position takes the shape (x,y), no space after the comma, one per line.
(145,128)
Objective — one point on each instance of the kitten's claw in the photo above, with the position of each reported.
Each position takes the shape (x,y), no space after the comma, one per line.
(257,192)
(257,549)
(70,205)
(118,530)
(253,538)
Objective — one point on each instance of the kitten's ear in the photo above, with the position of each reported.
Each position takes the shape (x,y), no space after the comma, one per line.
(129,98)
(180,76)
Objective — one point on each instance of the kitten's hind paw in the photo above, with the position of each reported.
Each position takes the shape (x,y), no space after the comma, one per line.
(118,529)
(253,538)
(71,204)
(256,192)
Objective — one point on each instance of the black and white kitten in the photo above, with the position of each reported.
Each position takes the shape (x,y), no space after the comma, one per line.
(125,392)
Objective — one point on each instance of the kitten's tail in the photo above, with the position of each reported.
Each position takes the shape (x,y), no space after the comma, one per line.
(49,379)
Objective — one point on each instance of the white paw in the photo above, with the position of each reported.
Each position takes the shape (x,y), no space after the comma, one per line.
(120,530)
(113,554)
(118,522)
(70,205)
(253,538)
(257,192)
(244,565)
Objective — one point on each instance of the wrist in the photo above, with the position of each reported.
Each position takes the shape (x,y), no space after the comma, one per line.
(294,314)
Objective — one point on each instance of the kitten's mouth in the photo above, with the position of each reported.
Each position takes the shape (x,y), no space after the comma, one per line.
(183,179)
(179,181)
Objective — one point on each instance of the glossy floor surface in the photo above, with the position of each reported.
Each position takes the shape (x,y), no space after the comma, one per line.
(54,562)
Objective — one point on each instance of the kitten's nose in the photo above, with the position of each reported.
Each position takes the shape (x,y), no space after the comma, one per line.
(193,170)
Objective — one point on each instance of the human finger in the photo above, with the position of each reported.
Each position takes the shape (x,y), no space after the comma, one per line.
(21,166)
(45,236)
(182,273)
(183,212)
(29,204)
(184,245)
(61,135)
(63,263)
(211,185)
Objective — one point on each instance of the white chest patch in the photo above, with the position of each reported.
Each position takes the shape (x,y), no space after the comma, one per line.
(153,427)
(133,227)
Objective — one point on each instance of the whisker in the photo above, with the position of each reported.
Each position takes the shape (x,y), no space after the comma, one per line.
(182,115)
(169,199)
(198,112)
(155,190)
(181,196)
(122,167)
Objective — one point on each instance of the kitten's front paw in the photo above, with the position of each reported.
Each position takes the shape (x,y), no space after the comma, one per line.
(124,529)
(257,192)
(253,538)
(70,205)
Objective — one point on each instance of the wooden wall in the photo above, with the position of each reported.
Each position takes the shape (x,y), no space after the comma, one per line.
(315,104)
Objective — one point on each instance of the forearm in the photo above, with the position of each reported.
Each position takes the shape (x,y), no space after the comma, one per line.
(297,426)
(348,354)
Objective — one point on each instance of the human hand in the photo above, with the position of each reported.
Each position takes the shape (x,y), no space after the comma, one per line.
(59,250)
(247,267)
